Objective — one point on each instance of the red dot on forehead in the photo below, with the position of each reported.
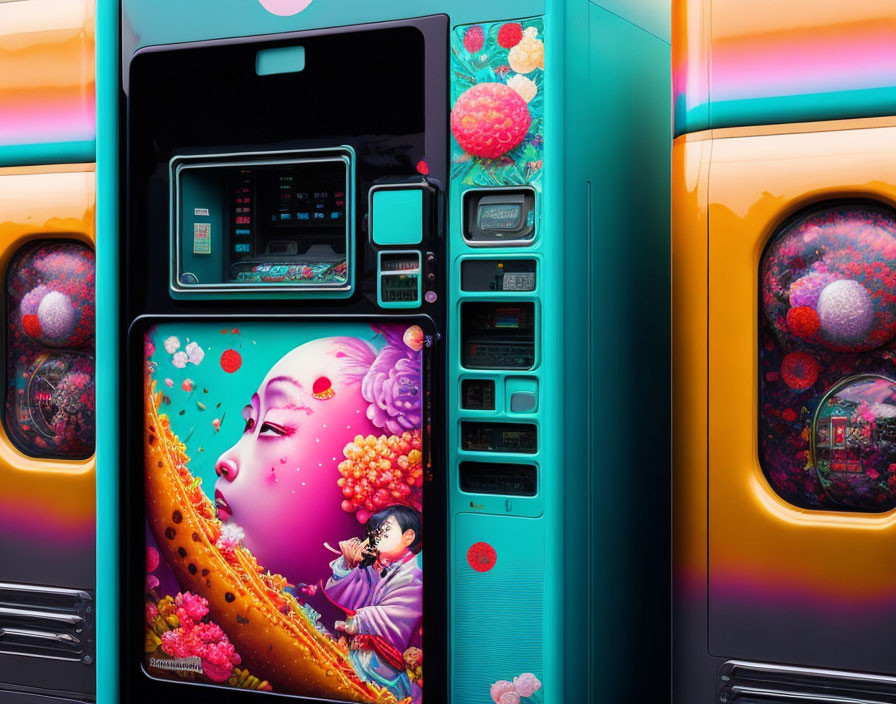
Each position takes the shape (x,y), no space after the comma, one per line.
(321,384)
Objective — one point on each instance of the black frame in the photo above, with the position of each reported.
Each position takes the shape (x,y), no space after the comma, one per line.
(136,684)
(146,298)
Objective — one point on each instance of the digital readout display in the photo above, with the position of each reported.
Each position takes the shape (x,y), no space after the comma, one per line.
(500,216)
(518,281)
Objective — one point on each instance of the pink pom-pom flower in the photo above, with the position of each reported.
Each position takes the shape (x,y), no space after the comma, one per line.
(526,684)
(500,688)
(490,119)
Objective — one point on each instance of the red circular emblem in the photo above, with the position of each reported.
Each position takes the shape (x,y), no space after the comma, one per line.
(482,557)
(231,361)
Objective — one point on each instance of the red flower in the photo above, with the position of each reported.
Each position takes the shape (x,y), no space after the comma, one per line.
(510,35)
(799,370)
(803,321)
(31,325)
(789,415)
(474,38)
(489,120)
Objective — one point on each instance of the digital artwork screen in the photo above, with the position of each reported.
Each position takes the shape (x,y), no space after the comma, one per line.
(284,472)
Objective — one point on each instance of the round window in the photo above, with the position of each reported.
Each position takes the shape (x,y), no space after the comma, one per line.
(854,442)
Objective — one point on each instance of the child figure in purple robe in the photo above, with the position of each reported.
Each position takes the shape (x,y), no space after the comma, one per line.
(379,584)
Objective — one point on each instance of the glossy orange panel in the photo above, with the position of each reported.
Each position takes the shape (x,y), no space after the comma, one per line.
(47,71)
(766,558)
(42,497)
(690,168)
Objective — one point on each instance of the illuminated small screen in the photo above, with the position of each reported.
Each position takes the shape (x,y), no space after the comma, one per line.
(500,216)
(519,281)
(507,318)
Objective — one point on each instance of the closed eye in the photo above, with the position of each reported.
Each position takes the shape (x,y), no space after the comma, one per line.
(269,429)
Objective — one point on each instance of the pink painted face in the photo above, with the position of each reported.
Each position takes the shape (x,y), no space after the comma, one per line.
(278,482)
(285,8)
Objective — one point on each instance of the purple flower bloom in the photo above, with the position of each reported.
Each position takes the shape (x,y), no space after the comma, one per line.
(392,386)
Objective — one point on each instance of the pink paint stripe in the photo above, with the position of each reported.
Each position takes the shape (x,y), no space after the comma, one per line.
(30,524)
(847,58)
(742,587)
(48,123)
(779,66)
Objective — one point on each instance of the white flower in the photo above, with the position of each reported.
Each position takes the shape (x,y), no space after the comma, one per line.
(195,353)
(525,87)
(172,344)
(179,360)
(528,55)
(232,531)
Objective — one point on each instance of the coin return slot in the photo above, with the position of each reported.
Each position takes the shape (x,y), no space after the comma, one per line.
(498,335)
(499,437)
(498,478)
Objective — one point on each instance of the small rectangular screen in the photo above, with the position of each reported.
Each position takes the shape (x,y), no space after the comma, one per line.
(500,216)
(522,281)
(263,223)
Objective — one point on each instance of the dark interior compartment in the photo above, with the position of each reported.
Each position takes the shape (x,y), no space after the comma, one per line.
(377,91)
(498,335)
(478,394)
(498,478)
(499,437)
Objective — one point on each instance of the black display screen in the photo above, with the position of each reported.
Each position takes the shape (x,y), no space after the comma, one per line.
(500,216)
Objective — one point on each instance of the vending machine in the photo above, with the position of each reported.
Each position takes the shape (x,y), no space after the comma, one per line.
(47,436)
(784,212)
(393,276)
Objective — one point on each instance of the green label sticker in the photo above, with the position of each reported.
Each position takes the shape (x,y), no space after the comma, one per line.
(202,238)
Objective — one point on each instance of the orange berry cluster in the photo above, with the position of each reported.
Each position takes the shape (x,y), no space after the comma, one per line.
(382,471)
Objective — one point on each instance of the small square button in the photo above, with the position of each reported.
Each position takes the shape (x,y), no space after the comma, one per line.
(523,402)
(396,216)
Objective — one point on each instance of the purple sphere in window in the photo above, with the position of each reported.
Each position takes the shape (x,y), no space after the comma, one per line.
(846,310)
